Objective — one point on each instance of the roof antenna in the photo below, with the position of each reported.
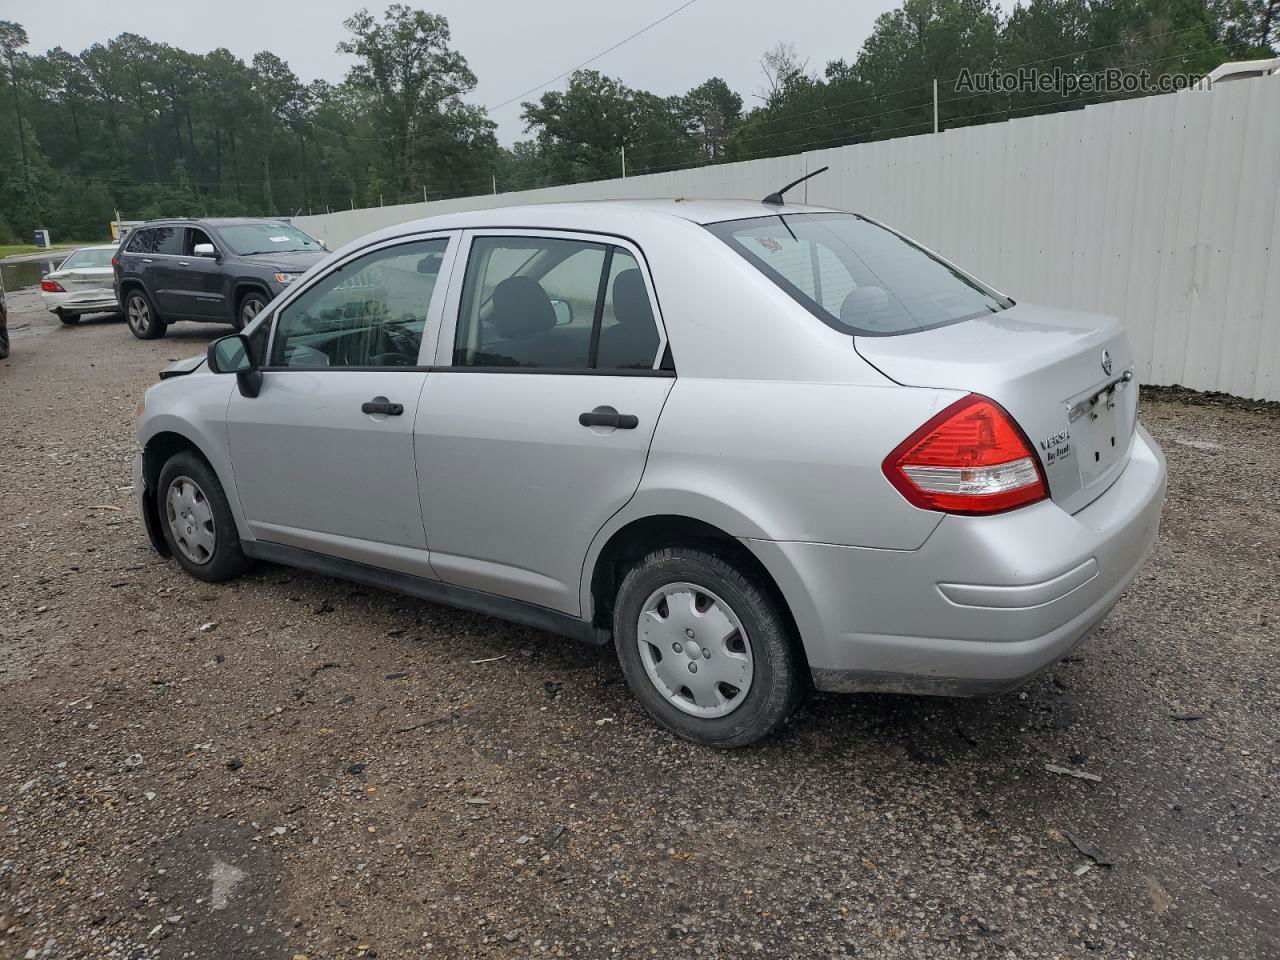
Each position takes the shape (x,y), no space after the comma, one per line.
(776,198)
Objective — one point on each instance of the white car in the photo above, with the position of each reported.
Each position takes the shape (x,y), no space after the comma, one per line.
(81,284)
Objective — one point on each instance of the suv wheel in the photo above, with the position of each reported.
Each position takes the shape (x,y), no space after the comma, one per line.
(197,521)
(251,304)
(144,322)
(705,649)
(4,333)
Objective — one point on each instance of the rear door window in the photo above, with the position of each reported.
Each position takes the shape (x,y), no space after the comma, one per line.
(554,304)
(158,240)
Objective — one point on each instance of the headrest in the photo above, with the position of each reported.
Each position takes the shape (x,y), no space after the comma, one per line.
(521,308)
(862,304)
(631,299)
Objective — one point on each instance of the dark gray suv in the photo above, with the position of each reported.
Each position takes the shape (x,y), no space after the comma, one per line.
(213,271)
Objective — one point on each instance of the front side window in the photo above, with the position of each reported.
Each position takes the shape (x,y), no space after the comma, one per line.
(247,239)
(855,275)
(88,258)
(539,302)
(369,312)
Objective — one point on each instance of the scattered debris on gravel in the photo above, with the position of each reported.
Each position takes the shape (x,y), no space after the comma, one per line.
(293,766)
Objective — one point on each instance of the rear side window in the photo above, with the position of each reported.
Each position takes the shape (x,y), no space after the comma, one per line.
(857,276)
(161,240)
(541,302)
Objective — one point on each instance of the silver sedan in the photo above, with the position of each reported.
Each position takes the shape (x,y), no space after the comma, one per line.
(758,447)
(81,284)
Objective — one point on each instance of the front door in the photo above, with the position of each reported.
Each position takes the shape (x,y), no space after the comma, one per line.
(323,457)
(535,426)
(197,285)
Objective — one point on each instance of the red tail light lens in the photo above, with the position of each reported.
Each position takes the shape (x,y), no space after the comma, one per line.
(115,262)
(51,286)
(970,458)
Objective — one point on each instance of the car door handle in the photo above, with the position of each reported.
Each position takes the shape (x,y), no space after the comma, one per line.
(183,263)
(147,260)
(382,405)
(602,418)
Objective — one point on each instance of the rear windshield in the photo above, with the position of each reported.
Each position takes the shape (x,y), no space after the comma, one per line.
(246,239)
(88,258)
(855,275)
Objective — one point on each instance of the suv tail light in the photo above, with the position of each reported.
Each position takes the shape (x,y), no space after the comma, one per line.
(115,261)
(970,458)
(51,286)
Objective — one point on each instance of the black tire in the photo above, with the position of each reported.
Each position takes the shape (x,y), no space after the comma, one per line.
(140,314)
(778,682)
(250,305)
(70,319)
(226,560)
(4,334)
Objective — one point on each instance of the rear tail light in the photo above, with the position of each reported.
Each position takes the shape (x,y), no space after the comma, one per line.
(970,458)
(115,262)
(51,286)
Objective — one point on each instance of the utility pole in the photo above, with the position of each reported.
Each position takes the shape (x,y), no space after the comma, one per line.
(495,184)
(935,104)
(424,193)
(624,163)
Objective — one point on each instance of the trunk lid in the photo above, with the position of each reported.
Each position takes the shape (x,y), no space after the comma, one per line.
(1048,369)
(83,278)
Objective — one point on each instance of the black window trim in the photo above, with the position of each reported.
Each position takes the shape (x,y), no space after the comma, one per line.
(799,296)
(663,363)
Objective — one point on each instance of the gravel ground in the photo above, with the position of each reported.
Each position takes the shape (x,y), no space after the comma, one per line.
(293,765)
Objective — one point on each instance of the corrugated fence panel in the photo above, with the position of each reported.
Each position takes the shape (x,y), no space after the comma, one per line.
(1164,211)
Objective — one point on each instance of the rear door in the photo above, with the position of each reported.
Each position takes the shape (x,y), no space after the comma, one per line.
(535,425)
(323,457)
(160,252)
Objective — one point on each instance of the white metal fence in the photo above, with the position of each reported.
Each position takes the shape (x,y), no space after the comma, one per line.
(1164,211)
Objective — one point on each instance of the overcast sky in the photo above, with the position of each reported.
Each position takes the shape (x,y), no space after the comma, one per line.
(510,44)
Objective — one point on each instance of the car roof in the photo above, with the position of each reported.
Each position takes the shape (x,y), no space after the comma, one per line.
(587,214)
(210,221)
(95,246)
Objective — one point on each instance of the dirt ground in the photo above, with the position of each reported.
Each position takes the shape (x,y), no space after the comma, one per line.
(293,765)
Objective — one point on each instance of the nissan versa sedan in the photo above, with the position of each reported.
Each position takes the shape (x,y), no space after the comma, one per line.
(758,447)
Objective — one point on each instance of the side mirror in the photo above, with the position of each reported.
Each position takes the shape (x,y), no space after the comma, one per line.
(564,312)
(233,354)
(205,250)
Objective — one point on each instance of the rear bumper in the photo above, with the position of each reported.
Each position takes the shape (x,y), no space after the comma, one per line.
(984,604)
(89,301)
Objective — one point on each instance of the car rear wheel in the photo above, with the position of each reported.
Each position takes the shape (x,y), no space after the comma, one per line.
(144,322)
(706,649)
(196,520)
(251,304)
(68,318)
(4,334)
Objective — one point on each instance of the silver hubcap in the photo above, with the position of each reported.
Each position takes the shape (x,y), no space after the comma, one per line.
(190,520)
(250,310)
(139,314)
(694,650)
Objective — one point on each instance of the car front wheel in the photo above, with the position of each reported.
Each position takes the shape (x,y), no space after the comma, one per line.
(196,520)
(706,649)
(144,322)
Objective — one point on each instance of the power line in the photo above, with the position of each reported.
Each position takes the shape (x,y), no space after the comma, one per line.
(561,76)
